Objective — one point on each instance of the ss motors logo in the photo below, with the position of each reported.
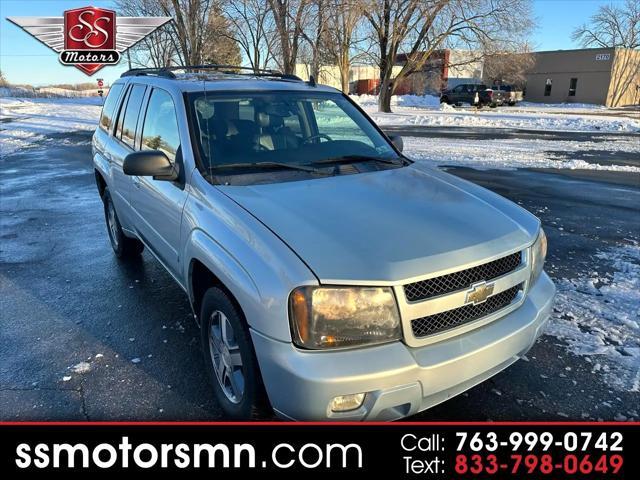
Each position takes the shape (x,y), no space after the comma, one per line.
(89,38)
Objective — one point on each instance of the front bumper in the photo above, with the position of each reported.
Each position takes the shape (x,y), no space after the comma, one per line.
(399,380)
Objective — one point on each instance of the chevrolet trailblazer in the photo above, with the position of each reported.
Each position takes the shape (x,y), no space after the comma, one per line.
(331,277)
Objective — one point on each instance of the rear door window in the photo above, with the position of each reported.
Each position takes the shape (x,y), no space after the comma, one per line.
(109,108)
(131,113)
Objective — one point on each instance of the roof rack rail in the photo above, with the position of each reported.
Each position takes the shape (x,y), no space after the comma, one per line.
(136,72)
(225,69)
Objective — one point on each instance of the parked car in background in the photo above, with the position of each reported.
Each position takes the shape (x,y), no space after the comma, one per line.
(511,94)
(474,94)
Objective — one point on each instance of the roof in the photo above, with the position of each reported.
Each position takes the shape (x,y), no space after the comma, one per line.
(572,50)
(212,78)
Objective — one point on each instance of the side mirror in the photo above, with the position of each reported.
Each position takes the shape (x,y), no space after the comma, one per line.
(397,141)
(150,163)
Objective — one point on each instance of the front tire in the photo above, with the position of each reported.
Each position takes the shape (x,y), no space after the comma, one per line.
(123,246)
(229,357)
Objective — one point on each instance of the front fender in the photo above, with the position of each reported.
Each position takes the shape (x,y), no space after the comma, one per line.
(222,264)
(248,258)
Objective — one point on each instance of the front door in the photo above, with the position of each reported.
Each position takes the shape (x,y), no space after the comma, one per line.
(158,204)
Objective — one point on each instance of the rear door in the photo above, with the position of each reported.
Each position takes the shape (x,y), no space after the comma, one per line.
(158,204)
(102,138)
(122,143)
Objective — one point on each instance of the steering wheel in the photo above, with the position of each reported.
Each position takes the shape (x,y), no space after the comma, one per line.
(317,136)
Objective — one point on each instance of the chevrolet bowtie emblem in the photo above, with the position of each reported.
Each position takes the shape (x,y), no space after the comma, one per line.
(479,293)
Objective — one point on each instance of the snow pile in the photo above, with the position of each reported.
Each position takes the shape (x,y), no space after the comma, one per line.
(45,92)
(562,106)
(599,318)
(512,153)
(421,101)
(25,121)
(505,119)
(427,111)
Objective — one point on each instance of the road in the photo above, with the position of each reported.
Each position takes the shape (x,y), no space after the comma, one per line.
(86,337)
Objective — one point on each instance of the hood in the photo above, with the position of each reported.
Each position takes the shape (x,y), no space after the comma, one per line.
(387,226)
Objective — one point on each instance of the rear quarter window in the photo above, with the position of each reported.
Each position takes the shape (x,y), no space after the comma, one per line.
(131,112)
(109,107)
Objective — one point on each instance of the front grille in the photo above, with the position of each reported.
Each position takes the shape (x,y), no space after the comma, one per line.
(459,316)
(453,282)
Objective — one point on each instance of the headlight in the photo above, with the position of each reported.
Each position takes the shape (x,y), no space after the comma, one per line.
(332,317)
(538,255)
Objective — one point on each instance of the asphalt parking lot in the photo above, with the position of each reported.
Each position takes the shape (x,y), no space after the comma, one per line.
(86,337)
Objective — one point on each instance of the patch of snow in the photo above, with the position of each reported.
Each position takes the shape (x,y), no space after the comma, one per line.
(135,360)
(598,316)
(427,111)
(512,153)
(66,378)
(399,100)
(82,367)
(27,120)
(561,106)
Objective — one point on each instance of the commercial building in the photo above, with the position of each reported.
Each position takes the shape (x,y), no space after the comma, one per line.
(444,69)
(605,76)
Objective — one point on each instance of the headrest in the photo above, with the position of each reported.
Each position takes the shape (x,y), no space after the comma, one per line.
(265,120)
(204,108)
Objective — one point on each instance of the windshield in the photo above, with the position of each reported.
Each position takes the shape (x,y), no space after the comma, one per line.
(283,130)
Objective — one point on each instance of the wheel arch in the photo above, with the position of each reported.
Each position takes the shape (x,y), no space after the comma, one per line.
(100,181)
(210,265)
(201,278)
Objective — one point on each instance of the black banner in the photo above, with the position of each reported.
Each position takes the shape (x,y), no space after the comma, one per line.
(403,450)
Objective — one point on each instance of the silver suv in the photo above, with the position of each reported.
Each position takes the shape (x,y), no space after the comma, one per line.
(330,276)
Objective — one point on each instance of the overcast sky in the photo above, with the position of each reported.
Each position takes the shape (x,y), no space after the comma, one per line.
(23,59)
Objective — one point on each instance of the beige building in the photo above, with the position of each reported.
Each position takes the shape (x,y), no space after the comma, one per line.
(606,76)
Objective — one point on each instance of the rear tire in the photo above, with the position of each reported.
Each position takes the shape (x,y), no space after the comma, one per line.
(230,359)
(444,100)
(123,246)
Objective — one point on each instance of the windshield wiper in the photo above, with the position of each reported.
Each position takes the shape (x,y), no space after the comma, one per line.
(357,159)
(291,166)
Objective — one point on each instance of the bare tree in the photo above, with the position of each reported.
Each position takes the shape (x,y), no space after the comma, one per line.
(198,33)
(219,44)
(420,27)
(191,22)
(509,68)
(155,50)
(290,19)
(314,31)
(343,19)
(615,25)
(252,27)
